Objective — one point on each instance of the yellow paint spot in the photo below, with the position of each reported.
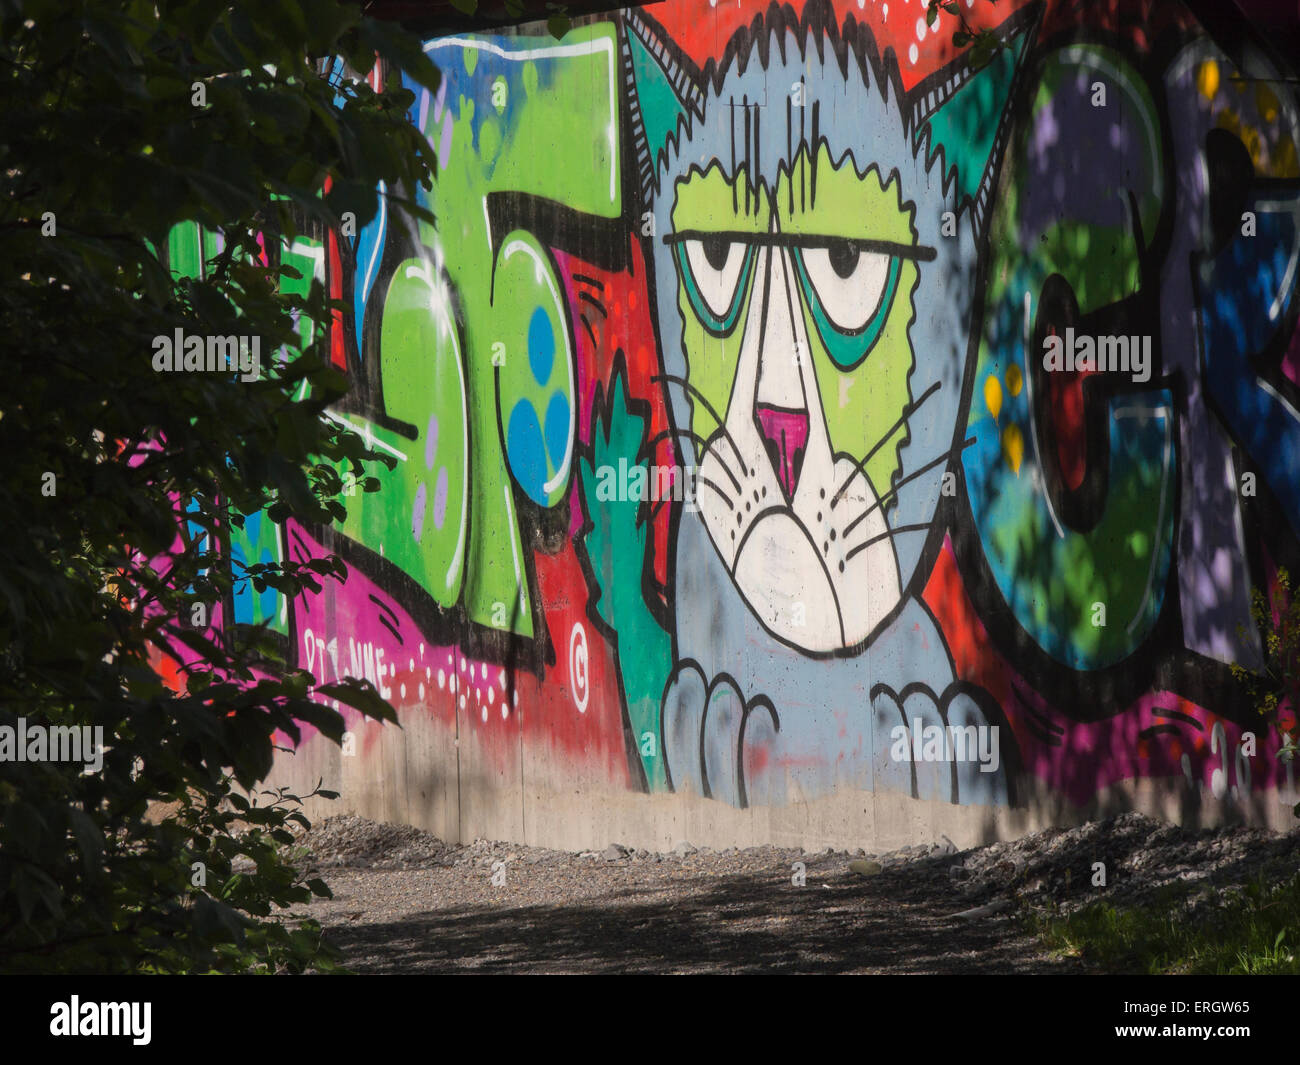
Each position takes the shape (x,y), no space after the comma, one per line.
(1228,120)
(993,395)
(1255,146)
(1207,79)
(1015,380)
(1248,135)
(1266,102)
(1013,447)
(1285,163)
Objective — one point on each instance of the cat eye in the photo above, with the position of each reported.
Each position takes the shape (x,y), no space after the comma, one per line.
(715,271)
(849,288)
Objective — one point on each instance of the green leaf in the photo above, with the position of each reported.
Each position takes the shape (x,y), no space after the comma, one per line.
(141,181)
(217,920)
(89,837)
(360,695)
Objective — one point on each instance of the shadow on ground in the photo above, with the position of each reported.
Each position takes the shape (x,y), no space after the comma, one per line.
(737,924)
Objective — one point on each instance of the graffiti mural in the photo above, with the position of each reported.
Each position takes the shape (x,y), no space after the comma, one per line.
(783,405)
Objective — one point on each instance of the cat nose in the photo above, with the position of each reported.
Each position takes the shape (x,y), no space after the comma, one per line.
(785,436)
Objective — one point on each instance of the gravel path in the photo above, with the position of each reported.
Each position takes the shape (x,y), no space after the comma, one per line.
(406,902)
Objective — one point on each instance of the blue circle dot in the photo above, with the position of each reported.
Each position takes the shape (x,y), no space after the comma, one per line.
(557,429)
(541,346)
(524,444)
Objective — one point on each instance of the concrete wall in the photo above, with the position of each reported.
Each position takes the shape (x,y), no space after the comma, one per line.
(978,388)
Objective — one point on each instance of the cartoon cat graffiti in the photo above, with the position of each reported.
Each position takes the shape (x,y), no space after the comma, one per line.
(815,323)
(749,245)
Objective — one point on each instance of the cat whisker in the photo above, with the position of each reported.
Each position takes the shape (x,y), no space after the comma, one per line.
(694,392)
(725,498)
(654,511)
(860,465)
(942,460)
(722,464)
(919,527)
(696,438)
(705,447)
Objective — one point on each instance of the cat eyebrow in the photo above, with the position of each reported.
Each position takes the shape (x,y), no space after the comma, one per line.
(920,252)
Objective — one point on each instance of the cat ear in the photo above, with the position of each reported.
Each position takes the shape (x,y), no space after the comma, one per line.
(960,116)
(665,89)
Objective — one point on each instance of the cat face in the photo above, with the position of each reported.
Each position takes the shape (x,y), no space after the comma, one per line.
(813,346)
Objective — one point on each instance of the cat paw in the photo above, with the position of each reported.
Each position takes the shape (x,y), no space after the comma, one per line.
(952,747)
(710,732)
(947,747)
